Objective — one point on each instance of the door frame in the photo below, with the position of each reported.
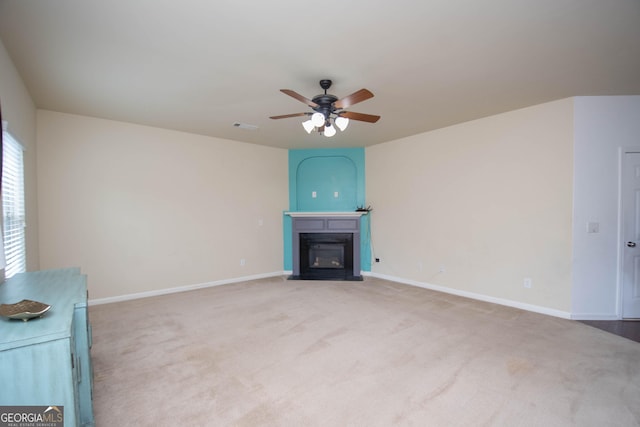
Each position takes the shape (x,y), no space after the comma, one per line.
(621,238)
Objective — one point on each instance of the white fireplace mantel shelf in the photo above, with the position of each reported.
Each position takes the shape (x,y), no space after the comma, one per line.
(325,214)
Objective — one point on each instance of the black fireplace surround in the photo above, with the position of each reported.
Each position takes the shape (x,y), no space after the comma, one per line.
(326,247)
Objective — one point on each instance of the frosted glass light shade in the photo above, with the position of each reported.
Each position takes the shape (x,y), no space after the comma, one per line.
(317,119)
(308,126)
(329,131)
(342,123)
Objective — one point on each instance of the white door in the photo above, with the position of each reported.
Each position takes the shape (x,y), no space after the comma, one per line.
(631,235)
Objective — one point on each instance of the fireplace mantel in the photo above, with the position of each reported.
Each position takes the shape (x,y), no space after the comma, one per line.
(331,226)
(325,214)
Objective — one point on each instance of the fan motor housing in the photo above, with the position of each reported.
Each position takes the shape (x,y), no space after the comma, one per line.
(325,104)
(325,100)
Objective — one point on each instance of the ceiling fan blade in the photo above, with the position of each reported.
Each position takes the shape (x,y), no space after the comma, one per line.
(286,116)
(299,97)
(354,98)
(360,116)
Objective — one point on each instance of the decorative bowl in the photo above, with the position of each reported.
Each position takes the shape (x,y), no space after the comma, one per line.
(24,310)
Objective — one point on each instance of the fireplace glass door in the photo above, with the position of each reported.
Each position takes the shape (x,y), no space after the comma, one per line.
(326,255)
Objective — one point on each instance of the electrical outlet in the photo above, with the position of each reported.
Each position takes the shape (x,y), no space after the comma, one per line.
(442,269)
(528,283)
(243,262)
(377,259)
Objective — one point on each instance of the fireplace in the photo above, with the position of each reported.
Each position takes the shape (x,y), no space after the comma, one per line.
(326,246)
(326,256)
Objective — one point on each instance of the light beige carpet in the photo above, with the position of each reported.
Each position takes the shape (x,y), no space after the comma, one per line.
(375,353)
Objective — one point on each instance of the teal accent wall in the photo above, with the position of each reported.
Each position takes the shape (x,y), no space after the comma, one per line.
(326,172)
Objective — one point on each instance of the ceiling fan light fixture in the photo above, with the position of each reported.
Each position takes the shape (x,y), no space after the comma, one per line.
(341,122)
(317,119)
(328,111)
(329,131)
(308,126)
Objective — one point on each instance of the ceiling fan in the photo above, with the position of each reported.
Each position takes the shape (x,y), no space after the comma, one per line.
(328,110)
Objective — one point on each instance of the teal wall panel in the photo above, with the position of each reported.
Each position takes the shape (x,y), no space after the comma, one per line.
(331,179)
(327,180)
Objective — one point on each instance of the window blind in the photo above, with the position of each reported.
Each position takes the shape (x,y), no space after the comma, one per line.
(13,205)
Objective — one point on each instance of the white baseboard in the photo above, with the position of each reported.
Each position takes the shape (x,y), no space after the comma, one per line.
(158,292)
(472,295)
(594,316)
(479,297)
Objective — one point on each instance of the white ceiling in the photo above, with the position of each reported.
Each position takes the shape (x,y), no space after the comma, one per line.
(201,65)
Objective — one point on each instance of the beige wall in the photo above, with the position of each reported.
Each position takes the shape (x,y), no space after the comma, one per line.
(143,209)
(489,200)
(20,113)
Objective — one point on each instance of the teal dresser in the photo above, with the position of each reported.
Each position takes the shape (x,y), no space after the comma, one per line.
(46,361)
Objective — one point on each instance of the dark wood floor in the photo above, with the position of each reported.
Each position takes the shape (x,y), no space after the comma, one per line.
(625,328)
